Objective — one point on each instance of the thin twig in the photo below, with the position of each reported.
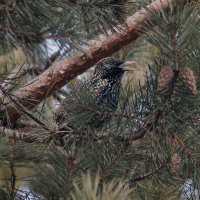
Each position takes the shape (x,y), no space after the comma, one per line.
(22,109)
(15,74)
(13,174)
(12,167)
(69,179)
(123,152)
(146,175)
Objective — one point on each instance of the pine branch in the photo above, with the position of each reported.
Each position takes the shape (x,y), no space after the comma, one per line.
(21,70)
(185,148)
(111,114)
(16,73)
(22,109)
(36,35)
(144,176)
(68,68)
(12,168)
(28,136)
(107,168)
(20,135)
(69,180)
(27,124)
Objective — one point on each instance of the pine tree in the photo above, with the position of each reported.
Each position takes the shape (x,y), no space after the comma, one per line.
(148,149)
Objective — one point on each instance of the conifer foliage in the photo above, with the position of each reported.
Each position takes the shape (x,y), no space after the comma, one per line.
(149,149)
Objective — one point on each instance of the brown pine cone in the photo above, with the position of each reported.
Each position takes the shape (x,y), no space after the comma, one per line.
(175,163)
(187,77)
(165,77)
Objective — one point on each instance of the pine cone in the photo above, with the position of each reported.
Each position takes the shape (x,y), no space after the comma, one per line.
(175,163)
(187,77)
(165,77)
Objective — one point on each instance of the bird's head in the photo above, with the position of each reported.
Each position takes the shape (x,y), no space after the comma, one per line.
(112,68)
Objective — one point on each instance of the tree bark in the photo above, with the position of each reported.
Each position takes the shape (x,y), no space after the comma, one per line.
(56,76)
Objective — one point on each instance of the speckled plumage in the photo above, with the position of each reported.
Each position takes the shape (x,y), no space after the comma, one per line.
(106,83)
(104,87)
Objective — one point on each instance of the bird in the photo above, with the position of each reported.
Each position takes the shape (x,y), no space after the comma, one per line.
(103,87)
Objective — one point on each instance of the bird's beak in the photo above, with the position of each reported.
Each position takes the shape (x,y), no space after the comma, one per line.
(129,66)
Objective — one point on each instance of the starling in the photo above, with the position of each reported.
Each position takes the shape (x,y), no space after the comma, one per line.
(104,87)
